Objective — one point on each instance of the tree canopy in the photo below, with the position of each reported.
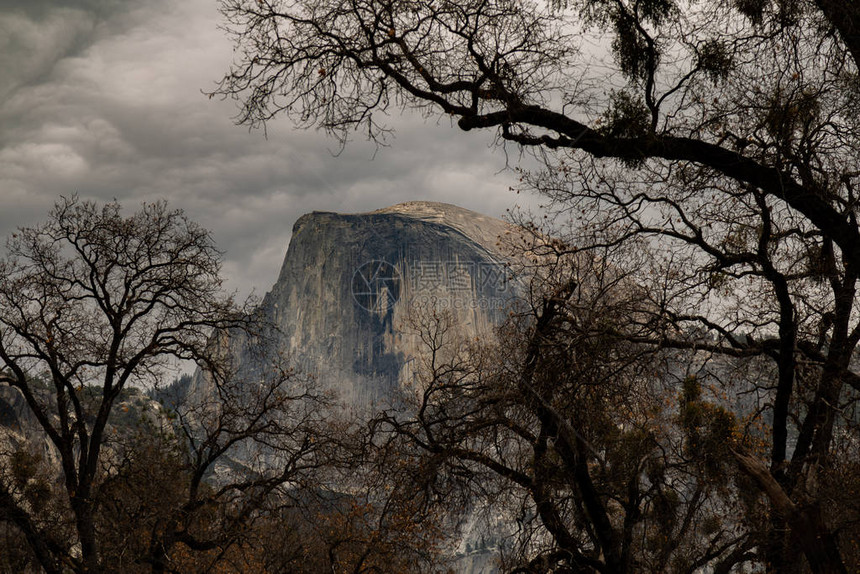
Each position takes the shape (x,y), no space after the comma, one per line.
(94,306)
(762,94)
(721,139)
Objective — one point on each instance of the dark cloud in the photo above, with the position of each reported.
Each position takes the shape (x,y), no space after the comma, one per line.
(40,9)
(104,100)
(36,34)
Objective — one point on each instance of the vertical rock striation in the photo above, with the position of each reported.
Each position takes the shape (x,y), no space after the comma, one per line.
(350,286)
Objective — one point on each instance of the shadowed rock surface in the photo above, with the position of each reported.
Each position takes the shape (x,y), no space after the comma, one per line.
(351,285)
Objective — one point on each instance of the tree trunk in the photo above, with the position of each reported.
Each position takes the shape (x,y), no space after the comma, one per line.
(807,527)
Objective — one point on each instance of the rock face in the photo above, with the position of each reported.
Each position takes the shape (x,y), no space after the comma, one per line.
(19,428)
(352,294)
(351,287)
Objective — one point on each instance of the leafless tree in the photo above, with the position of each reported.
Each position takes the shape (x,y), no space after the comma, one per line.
(240,454)
(93,305)
(602,455)
(722,136)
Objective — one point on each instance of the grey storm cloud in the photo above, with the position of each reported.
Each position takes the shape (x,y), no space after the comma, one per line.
(36,34)
(104,98)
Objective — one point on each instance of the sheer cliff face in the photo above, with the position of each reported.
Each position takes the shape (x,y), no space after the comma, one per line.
(351,287)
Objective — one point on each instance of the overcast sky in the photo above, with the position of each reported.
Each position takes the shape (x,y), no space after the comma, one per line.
(103,98)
